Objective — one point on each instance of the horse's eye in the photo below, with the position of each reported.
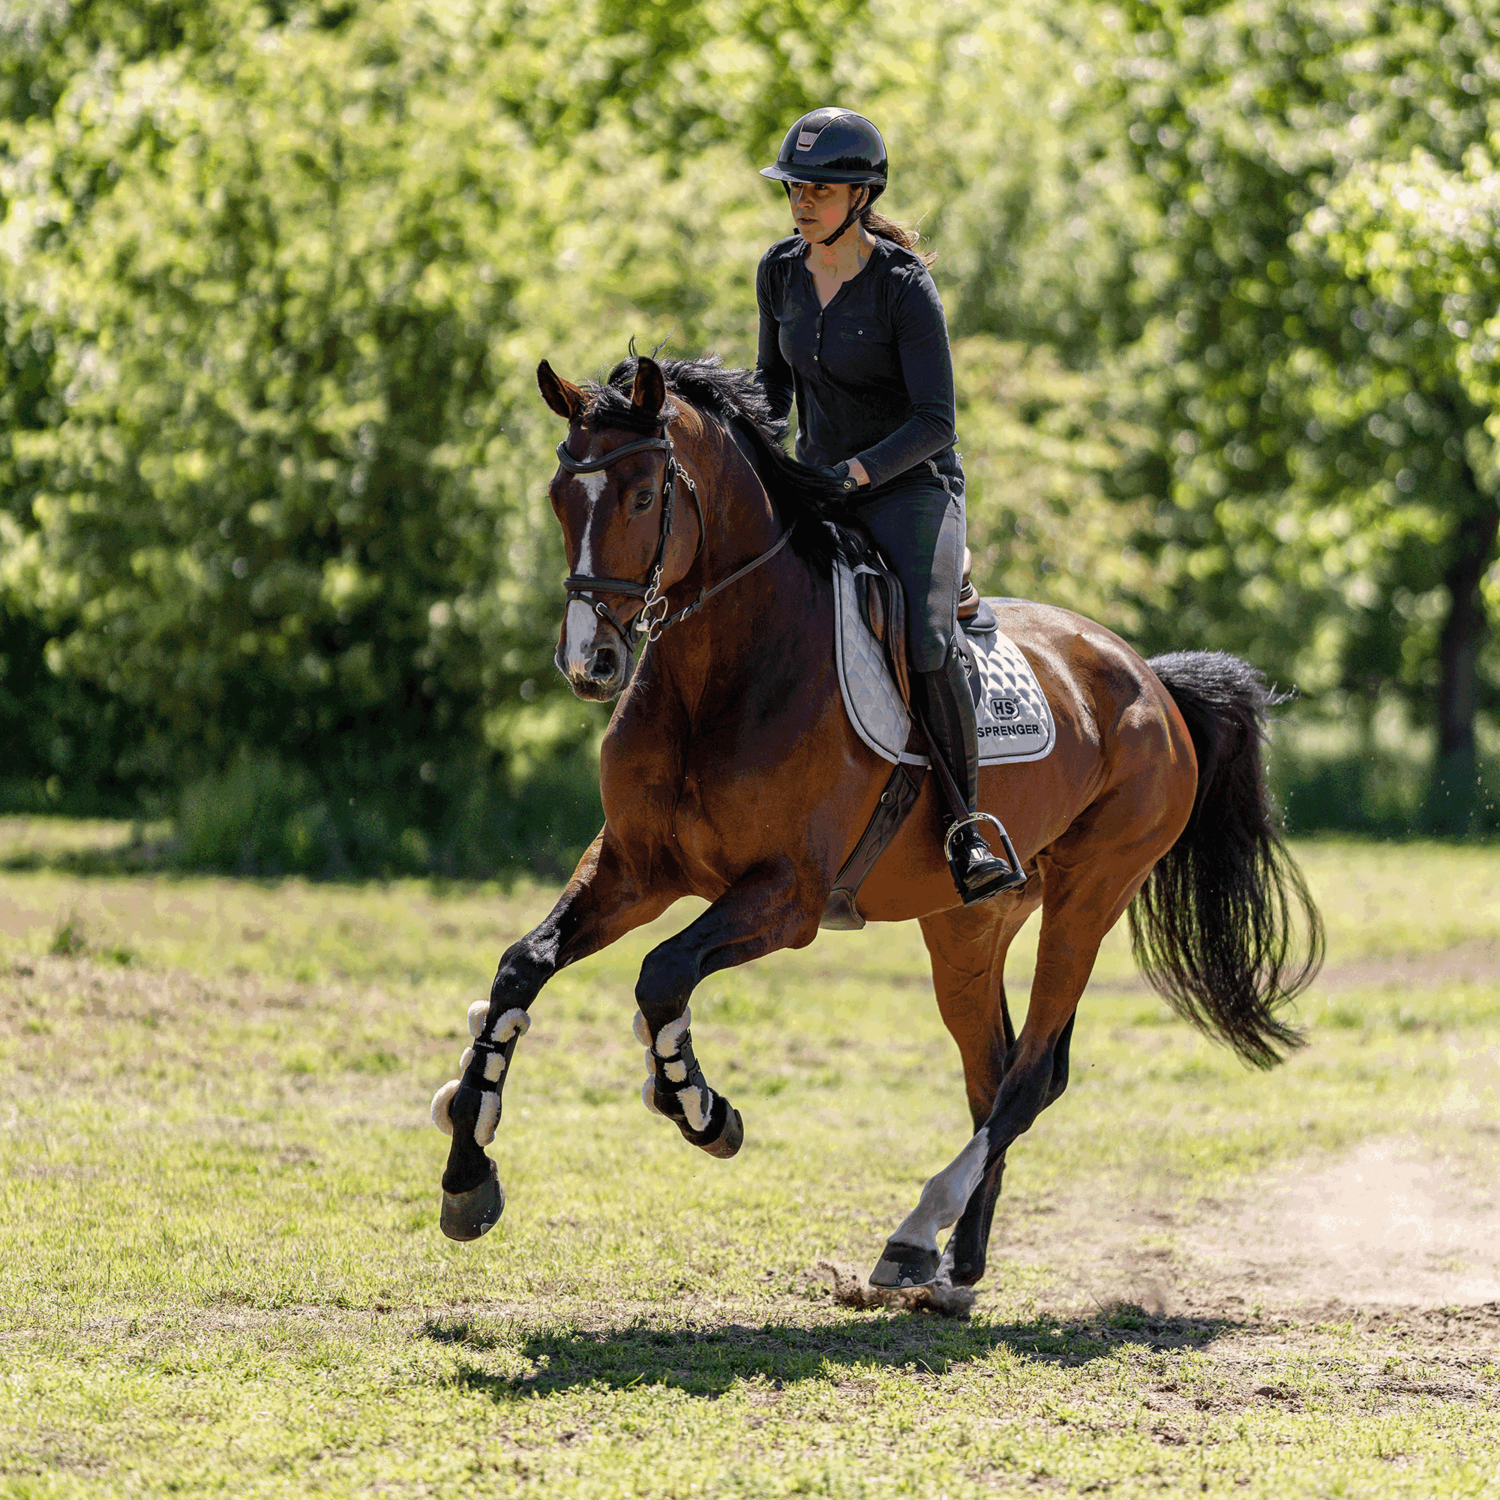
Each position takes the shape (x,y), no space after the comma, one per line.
(641,501)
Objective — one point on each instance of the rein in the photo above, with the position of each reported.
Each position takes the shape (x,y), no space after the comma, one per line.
(652,618)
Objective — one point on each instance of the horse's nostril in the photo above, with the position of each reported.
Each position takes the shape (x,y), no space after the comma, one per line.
(602,666)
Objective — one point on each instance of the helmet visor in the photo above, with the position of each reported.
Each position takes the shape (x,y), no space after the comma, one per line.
(827,176)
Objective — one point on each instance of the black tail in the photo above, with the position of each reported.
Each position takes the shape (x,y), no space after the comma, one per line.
(1214,928)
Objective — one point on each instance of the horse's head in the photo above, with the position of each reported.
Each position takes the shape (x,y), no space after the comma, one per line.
(629,538)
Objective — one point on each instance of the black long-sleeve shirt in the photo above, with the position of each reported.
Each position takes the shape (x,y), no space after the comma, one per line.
(871,373)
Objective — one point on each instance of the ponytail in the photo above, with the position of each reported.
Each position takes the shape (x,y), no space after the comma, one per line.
(887,229)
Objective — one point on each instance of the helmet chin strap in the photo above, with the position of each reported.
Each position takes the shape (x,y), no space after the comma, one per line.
(849,218)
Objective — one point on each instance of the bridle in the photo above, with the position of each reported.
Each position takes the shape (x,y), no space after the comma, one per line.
(652,618)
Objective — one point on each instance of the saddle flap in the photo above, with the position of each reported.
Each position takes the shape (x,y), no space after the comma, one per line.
(872,603)
(882,601)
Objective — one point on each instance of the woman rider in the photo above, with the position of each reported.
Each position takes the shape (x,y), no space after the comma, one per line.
(852,327)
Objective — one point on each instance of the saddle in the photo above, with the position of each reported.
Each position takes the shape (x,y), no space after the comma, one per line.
(882,602)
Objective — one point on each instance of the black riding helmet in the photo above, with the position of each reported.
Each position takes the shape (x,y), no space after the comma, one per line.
(832,145)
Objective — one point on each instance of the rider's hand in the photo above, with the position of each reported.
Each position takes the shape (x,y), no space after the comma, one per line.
(844,475)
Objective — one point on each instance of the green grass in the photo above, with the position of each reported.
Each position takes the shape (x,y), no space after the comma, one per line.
(220,1269)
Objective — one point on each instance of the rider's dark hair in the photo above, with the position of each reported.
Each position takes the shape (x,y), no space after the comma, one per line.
(898,234)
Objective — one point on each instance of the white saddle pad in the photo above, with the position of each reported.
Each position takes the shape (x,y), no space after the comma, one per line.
(1015,723)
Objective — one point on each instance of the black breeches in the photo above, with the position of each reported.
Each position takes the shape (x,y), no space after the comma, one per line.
(919,523)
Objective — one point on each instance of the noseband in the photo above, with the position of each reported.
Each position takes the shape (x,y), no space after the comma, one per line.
(652,618)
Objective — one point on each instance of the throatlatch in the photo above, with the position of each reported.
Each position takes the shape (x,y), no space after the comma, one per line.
(675,1087)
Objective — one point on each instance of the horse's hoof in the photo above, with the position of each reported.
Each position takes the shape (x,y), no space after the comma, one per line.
(905,1265)
(466,1216)
(968,1274)
(731,1138)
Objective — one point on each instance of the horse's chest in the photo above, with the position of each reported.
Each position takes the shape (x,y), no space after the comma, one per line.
(734,787)
(713,830)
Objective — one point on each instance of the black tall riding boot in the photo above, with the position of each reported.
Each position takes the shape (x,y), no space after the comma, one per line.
(947,712)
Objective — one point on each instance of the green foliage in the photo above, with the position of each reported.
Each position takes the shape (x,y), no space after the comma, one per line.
(1316,435)
(1040,440)
(263,816)
(69,746)
(274,280)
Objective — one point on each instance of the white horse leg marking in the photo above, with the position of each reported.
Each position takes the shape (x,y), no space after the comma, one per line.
(945,1196)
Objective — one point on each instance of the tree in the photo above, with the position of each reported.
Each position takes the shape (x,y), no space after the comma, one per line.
(1317,440)
(1422,241)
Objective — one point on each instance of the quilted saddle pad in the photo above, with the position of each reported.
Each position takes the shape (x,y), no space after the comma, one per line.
(1015,723)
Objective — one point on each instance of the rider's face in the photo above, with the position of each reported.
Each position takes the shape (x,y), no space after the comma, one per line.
(819,208)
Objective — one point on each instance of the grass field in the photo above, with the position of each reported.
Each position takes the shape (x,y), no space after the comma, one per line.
(220,1268)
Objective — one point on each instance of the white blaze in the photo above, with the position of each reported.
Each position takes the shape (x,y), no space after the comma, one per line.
(581,624)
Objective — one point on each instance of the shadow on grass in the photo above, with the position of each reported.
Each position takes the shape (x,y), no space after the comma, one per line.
(707,1362)
(123,859)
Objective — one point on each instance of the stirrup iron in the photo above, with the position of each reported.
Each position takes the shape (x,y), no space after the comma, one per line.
(1017,874)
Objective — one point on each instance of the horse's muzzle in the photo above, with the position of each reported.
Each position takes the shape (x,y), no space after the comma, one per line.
(602,673)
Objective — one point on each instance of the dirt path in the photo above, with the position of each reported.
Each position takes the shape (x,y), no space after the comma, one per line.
(1389,1224)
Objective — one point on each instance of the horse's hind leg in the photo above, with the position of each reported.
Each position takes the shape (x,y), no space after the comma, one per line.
(1089,876)
(766,909)
(968,974)
(967,946)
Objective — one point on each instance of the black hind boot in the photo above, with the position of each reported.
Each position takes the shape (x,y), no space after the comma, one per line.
(947,714)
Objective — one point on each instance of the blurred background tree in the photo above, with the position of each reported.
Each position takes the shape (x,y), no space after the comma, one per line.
(275,555)
(1331,500)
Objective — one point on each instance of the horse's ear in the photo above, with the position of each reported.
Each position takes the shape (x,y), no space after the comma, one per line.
(561,395)
(650,390)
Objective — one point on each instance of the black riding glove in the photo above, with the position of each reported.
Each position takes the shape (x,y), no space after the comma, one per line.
(839,476)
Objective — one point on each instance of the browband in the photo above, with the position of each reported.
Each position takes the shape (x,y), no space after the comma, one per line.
(593,465)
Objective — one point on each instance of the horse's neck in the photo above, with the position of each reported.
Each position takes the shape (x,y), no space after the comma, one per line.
(742,656)
(740,635)
(739,521)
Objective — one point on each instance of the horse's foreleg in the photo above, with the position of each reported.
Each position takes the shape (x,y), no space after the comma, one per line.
(601,903)
(761,912)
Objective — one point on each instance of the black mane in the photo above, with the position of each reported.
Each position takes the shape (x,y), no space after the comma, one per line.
(815,509)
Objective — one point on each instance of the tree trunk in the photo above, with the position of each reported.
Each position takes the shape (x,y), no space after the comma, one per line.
(1453,798)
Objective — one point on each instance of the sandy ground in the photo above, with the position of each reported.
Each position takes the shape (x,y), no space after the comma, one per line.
(1385,1227)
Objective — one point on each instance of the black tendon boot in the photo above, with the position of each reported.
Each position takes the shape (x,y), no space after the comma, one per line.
(948,717)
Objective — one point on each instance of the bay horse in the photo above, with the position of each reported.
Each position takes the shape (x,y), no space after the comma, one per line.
(731,772)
